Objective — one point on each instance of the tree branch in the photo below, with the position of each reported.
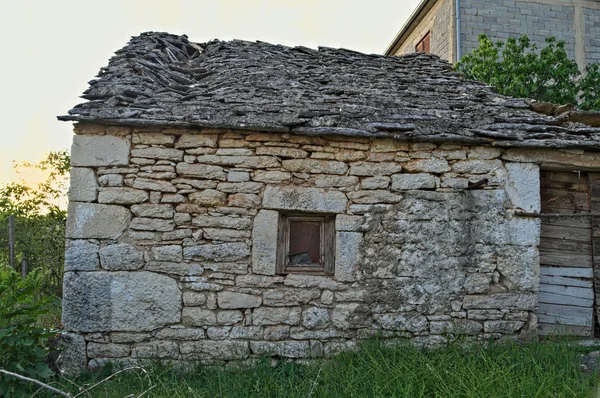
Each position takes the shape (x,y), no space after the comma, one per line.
(39,383)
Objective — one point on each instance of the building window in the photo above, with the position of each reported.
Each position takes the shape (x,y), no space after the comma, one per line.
(424,46)
(306,243)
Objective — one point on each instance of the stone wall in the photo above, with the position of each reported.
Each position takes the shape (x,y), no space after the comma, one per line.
(172,236)
(592,33)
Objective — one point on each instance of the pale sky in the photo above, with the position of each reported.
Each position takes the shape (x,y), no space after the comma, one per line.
(50,49)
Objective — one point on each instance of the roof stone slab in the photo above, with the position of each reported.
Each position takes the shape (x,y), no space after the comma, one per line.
(160,79)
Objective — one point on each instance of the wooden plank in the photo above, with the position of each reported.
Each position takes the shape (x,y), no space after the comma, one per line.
(545,329)
(566,319)
(572,272)
(557,199)
(565,259)
(566,233)
(565,315)
(569,176)
(579,292)
(563,281)
(553,244)
(551,185)
(553,298)
(577,221)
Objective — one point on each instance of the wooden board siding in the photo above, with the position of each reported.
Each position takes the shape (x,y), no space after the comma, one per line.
(566,247)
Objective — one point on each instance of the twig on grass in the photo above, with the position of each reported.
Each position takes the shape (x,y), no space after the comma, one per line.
(39,383)
(109,378)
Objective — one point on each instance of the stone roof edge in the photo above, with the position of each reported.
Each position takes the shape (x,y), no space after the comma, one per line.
(478,137)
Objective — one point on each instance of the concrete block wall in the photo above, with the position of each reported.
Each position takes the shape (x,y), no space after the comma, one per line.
(591,18)
(505,18)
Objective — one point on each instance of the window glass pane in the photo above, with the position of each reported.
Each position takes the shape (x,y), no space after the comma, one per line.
(305,242)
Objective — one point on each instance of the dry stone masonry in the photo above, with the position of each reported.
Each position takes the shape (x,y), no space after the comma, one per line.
(187,158)
(172,237)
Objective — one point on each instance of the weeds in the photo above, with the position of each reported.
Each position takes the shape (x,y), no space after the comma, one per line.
(508,370)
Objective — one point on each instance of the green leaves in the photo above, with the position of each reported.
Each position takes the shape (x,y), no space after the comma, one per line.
(590,88)
(23,343)
(517,69)
(39,218)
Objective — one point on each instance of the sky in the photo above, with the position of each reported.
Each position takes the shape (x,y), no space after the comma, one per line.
(50,49)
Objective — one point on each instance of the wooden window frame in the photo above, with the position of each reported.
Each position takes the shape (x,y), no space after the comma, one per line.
(327,244)
(426,39)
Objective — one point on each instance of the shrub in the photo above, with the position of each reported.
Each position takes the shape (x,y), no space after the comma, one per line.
(22,340)
(517,69)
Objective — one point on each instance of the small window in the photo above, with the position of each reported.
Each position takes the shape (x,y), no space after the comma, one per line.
(424,45)
(306,243)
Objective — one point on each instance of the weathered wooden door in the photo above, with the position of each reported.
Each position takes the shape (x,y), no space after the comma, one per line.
(566,296)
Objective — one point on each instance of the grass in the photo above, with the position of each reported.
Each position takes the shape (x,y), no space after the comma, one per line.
(508,370)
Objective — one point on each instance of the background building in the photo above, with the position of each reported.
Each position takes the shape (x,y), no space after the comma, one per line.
(435,25)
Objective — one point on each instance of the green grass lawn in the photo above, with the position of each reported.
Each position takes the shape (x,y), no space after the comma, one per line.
(509,370)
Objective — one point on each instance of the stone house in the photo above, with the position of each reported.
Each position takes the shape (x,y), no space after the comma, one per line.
(435,26)
(232,199)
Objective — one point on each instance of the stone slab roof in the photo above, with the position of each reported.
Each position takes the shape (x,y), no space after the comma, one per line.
(159,79)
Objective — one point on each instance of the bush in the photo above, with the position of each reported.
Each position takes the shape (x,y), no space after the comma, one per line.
(22,340)
(517,69)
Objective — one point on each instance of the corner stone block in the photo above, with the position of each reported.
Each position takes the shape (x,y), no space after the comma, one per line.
(96,221)
(347,245)
(304,199)
(72,360)
(83,186)
(81,255)
(523,186)
(103,150)
(264,242)
(119,301)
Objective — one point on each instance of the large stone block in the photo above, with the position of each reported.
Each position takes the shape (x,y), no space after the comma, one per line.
(219,252)
(431,165)
(121,256)
(304,199)
(315,318)
(501,301)
(314,166)
(347,245)
(81,255)
(403,182)
(523,186)
(99,150)
(122,196)
(409,322)
(374,197)
(289,297)
(119,301)
(374,169)
(275,316)
(519,267)
(96,221)
(283,349)
(197,140)
(83,185)
(230,300)
(72,359)
(204,171)
(264,242)
(345,222)
(221,350)
(158,153)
